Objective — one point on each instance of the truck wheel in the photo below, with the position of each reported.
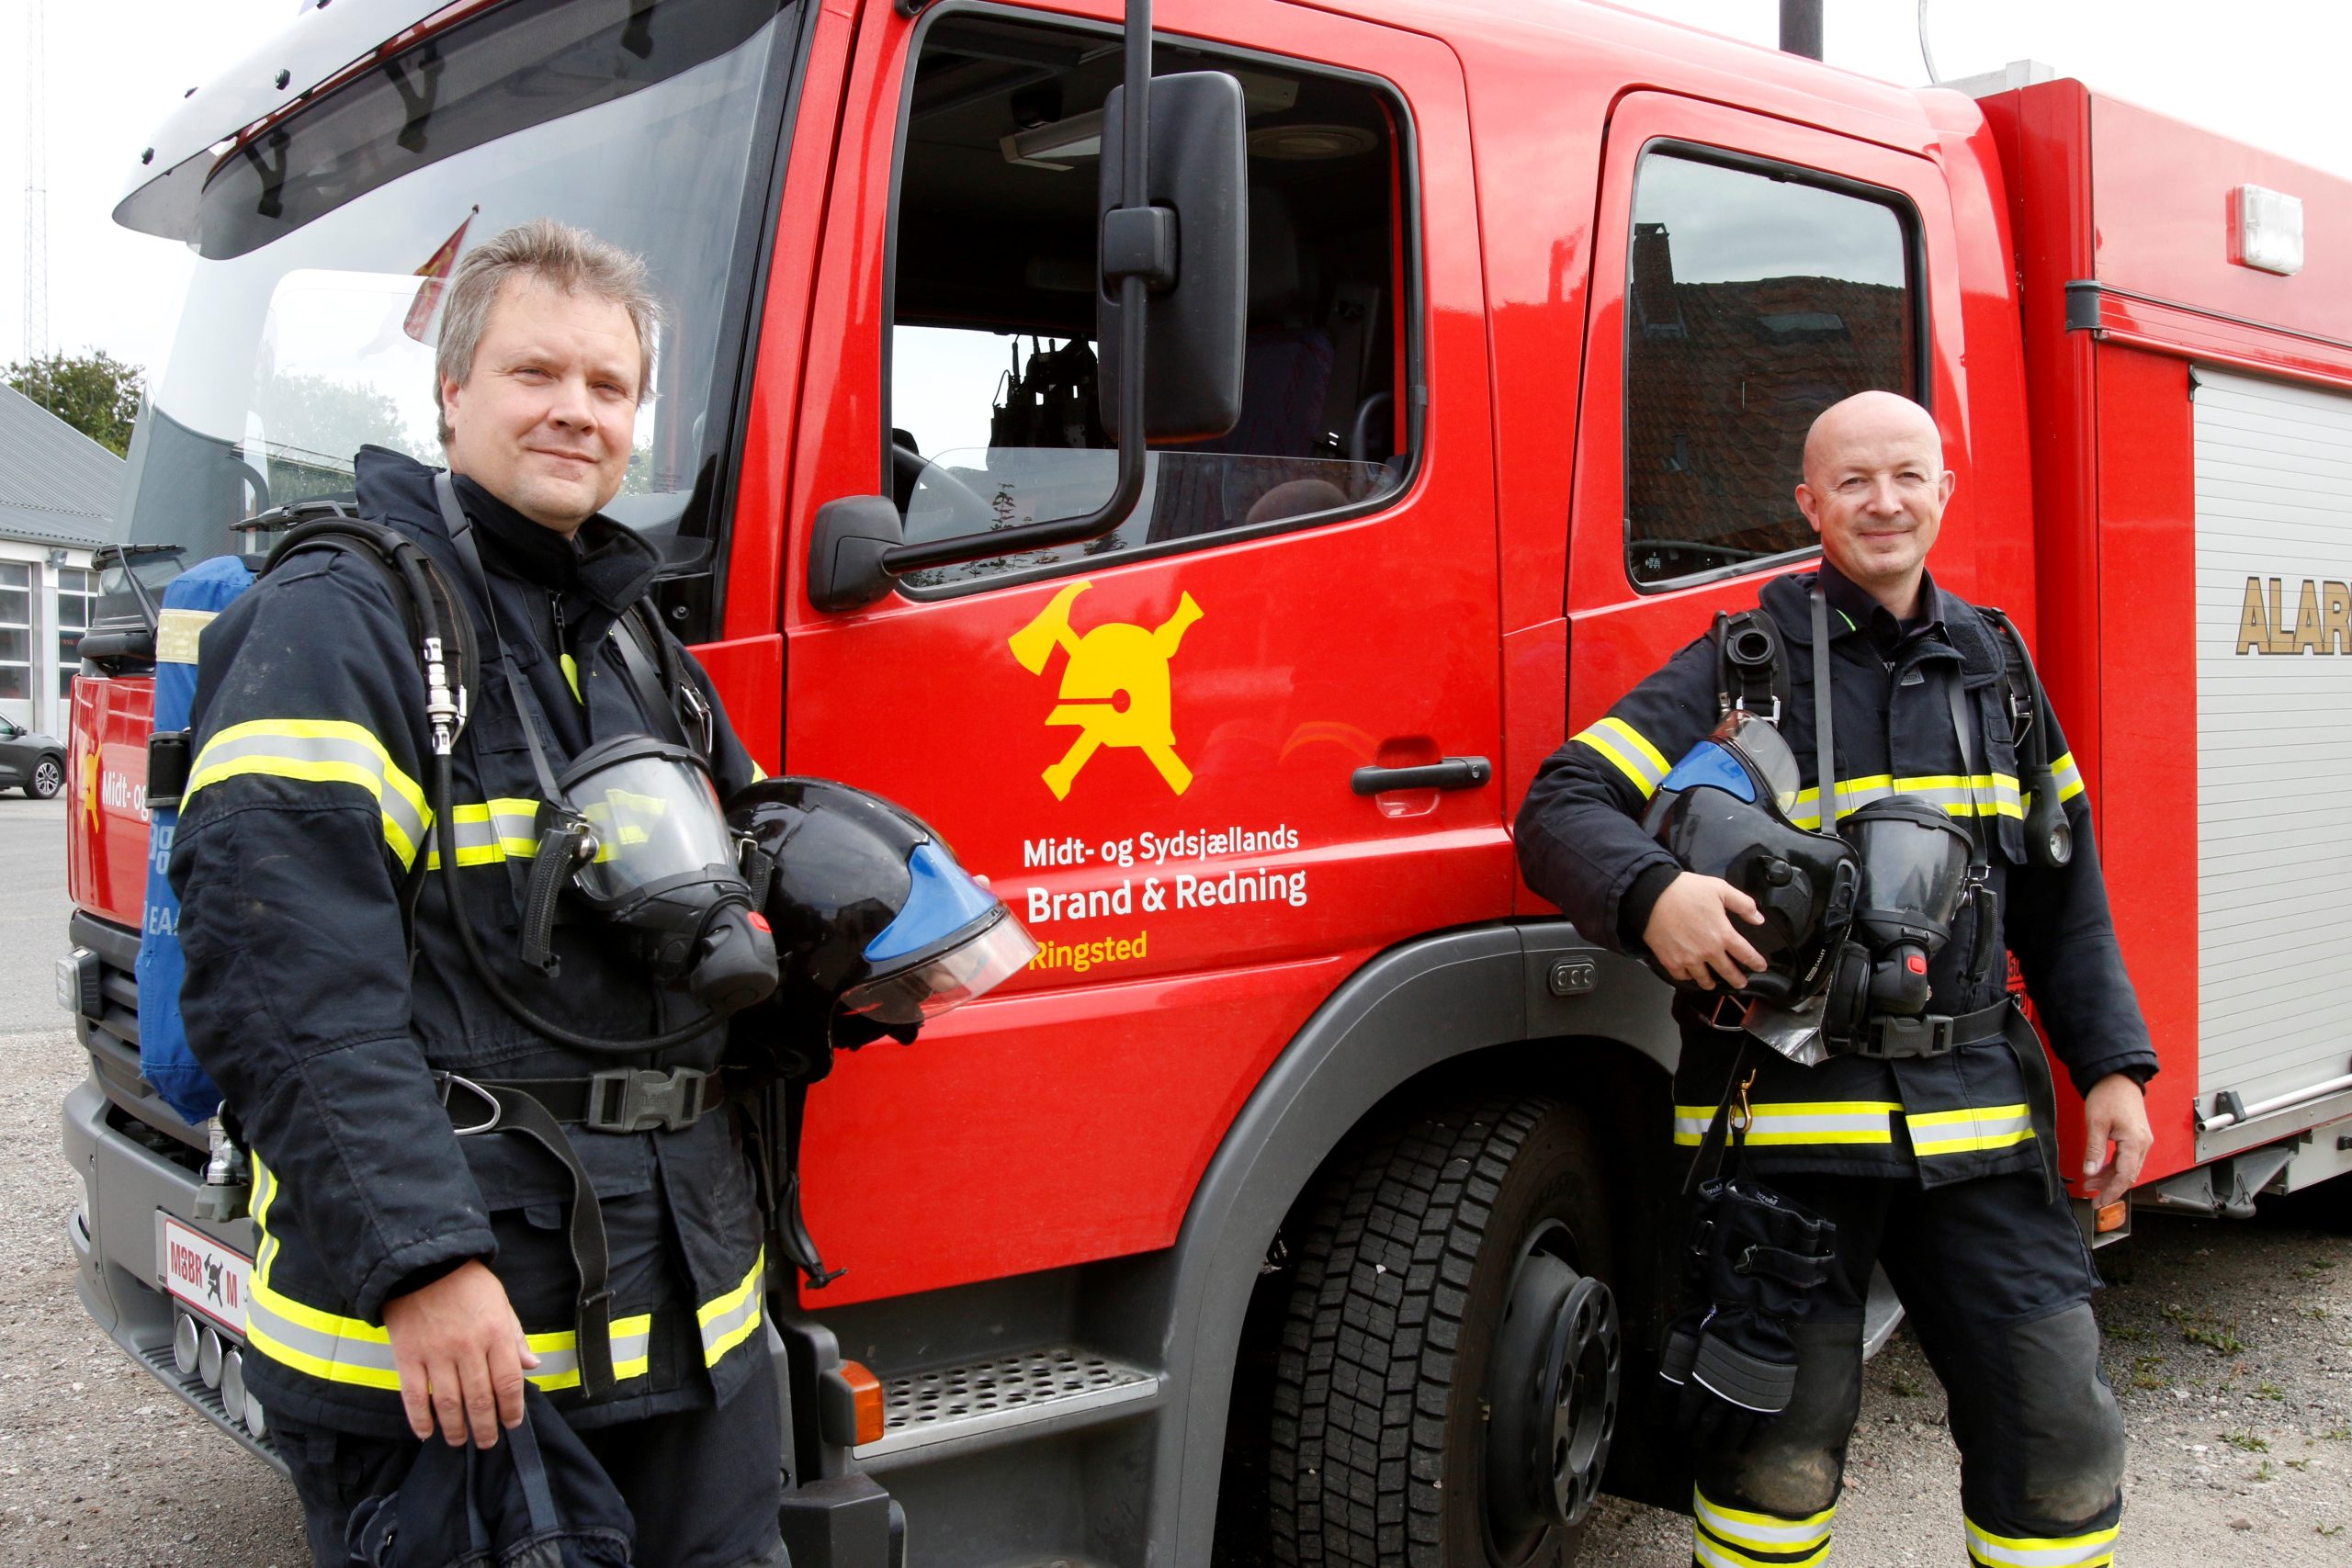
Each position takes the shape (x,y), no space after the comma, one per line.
(1448,1379)
(48,778)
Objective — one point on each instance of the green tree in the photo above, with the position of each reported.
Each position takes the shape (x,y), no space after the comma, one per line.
(95,392)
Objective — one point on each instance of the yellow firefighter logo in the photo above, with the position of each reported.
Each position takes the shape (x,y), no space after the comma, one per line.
(1115,686)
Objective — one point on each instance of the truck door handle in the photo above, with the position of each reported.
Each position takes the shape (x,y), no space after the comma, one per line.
(1450,772)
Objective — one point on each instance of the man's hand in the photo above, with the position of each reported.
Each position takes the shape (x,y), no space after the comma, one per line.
(2114,1112)
(461,1356)
(1689,931)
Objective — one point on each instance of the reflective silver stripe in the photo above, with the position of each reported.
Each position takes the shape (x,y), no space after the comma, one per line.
(1995,795)
(318,751)
(729,1320)
(558,1354)
(1761,1532)
(2089,1550)
(2067,777)
(333,1358)
(1961,1131)
(495,831)
(1800,1121)
(1630,751)
(1691,1123)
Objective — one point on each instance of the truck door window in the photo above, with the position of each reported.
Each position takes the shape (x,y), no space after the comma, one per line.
(1754,300)
(994,417)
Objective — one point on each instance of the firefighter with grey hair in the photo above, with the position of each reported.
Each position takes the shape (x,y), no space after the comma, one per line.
(1857,1084)
(493,1174)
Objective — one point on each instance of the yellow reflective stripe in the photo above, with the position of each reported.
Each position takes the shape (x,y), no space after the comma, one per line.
(487,833)
(2068,777)
(758,773)
(1978,1127)
(351,1350)
(1785,1122)
(559,1353)
(728,1320)
(570,675)
(1751,1539)
(1993,795)
(2090,1550)
(1706,1549)
(1630,751)
(317,750)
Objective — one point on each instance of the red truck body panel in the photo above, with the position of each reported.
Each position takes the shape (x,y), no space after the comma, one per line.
(1487,610)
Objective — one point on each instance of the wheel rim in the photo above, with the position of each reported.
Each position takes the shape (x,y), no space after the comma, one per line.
(47,779)
(1551,1396)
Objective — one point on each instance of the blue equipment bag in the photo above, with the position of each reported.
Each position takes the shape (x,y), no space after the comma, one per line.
(164,1061)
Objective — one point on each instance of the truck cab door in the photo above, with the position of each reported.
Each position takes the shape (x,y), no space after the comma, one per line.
(1748,272)
(1151,743)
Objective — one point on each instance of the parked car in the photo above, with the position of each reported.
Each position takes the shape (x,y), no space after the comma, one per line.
(30,760)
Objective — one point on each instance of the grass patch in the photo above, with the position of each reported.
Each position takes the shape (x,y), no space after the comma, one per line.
(2269,1390)
(2220,1339)
(2247,1442)
(2145,1375)
(1905,1386)
(2127,1333)
(2263,1474)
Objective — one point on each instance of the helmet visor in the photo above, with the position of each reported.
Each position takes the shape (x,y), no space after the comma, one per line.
(995,954)
(1767,755)
(656,818)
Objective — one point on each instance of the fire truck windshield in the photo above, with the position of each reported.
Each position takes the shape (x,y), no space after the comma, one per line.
(324,242)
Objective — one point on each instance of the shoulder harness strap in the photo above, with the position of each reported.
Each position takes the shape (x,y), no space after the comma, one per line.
(2050,839)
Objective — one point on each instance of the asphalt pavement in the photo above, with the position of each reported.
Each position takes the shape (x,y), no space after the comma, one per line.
(33,912)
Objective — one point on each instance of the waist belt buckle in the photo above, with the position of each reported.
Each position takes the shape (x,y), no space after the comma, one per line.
(1897,1036)
(639,1099)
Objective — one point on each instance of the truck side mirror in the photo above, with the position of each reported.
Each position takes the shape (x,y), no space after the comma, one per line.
(846,542)
(1192,232)
(1174,298)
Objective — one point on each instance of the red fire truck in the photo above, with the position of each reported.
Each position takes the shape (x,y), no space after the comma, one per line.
(1305,1198)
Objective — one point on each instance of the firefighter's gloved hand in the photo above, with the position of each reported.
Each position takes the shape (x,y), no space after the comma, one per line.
(1756,1264)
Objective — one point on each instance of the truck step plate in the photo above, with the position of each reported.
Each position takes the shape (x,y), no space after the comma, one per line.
(1053,1383)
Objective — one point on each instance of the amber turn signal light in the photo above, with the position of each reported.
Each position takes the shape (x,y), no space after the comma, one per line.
(867,1391)
(2111,1218)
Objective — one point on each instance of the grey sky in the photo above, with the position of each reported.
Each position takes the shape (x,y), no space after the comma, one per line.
(2267,72)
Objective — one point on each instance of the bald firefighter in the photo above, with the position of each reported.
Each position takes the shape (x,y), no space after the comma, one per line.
(1921,1142)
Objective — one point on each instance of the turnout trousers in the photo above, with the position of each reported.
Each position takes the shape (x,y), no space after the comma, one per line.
(1996,1284)
(705,1486)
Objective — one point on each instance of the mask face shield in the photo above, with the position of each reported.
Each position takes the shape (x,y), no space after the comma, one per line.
(1915,868)
(952,941)
(656,819)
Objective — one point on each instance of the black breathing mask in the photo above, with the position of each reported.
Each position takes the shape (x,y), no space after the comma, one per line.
(639,838)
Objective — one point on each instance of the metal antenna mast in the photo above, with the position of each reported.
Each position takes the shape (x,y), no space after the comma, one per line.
(35,187)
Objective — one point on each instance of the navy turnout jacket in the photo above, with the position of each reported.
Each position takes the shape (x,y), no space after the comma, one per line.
(1940,1119)
(307,804)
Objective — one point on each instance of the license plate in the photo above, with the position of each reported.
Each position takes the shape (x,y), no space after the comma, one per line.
(208,1278)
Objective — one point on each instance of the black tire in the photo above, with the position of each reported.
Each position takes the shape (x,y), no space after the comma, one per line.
(1407,1254)
(47,778)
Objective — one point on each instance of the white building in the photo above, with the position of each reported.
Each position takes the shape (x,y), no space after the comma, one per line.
(58,494)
